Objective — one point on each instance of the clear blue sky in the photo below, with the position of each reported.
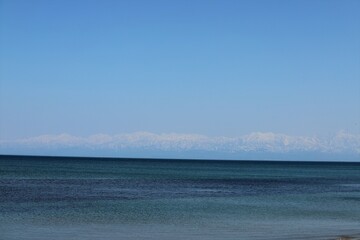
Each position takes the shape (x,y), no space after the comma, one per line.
(219,68)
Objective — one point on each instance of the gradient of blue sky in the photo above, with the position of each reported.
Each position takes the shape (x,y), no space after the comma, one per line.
(220,68)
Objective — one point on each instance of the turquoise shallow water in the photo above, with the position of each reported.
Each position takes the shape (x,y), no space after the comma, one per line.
(85,198)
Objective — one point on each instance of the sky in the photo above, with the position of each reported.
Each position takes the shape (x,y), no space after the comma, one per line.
(275,72)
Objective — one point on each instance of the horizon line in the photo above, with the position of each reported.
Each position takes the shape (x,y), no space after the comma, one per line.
(179,159)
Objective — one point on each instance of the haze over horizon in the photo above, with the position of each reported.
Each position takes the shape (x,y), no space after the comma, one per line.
(181,78)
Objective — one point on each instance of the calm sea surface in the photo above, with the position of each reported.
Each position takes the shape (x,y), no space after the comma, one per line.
(86,198)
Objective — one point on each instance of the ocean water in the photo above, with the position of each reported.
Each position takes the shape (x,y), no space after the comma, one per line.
(89,198)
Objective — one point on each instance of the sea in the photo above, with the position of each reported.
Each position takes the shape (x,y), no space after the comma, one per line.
(65,198)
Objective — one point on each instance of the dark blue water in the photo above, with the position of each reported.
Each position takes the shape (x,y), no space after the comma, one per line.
(88,198)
